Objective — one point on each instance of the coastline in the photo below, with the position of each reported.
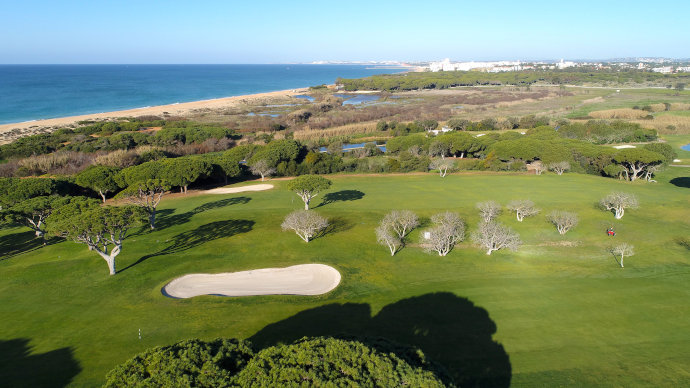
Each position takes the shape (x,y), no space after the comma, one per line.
(177,109)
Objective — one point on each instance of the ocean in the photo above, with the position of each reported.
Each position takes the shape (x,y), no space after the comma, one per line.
(32,92)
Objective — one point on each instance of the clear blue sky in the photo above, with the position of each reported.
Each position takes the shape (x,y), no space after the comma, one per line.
(176,31)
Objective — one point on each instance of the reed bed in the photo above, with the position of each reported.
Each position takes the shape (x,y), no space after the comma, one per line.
(344,130)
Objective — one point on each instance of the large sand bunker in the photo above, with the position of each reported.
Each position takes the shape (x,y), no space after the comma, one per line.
(304,279)
(230,190)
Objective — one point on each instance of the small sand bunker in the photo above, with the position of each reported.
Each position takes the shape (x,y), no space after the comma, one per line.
(230,190)
(304,279)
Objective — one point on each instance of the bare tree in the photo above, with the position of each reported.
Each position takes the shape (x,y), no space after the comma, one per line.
(493,236)
(617,202)
(489,210)
(401,221)
(622,250)
(559,167)
(564,221)
(262,168)
(538,167)
(442,165)
(449,230)
(306,223)
(523,208)
(386,237)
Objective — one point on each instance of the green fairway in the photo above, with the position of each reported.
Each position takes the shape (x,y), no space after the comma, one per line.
(558,312)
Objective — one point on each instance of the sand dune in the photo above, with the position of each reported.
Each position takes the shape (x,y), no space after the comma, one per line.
(304,279)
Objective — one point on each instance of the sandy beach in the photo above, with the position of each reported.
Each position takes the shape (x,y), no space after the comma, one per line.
(180,109)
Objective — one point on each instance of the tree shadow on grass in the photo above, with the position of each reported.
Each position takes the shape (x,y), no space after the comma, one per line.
(336,225)
(681,182)
(341,196)
(683,242)
(15,244)
(193,238)
(165,217)
(449,329)
(18,368)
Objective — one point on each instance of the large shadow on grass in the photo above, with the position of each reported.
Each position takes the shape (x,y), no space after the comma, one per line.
(449,329)
(17,243)
(165,217)
(18,368)
(341,196)
(193,238)
(681,182)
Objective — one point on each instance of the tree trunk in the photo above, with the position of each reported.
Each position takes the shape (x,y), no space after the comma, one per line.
(185,189)
(109,259)
(622,266)
(619,213)
(262,177)
(102,195)
(152,219)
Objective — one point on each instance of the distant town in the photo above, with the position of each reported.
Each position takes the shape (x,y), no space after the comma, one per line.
(658,65)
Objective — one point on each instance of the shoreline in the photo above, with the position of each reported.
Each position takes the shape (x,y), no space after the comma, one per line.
(174,109)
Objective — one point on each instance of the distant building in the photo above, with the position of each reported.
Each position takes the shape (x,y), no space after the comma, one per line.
(494,67)
(442,130)
(566,64)
(663,70)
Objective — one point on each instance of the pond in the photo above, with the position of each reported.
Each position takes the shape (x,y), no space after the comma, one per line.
(356,99)
(685,147)
(305,97)
(263,114)
(354,146)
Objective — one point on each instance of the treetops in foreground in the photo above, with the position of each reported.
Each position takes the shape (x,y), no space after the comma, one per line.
(307,362)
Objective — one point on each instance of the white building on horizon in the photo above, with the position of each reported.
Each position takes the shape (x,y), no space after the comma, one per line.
(494,67)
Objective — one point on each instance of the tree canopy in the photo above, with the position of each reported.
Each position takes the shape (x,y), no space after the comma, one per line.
(312,361)
(188,363)
(102,229)
(100,179)
(331,362)
(308,187)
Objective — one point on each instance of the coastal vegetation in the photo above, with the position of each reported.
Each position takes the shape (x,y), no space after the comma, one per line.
(449,79)
(457,314)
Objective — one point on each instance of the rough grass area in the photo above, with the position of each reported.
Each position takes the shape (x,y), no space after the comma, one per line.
(558,312)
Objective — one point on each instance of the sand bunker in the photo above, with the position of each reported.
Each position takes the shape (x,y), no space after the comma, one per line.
(230,190)
(304,279)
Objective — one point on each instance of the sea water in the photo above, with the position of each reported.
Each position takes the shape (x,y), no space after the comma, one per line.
(32,92)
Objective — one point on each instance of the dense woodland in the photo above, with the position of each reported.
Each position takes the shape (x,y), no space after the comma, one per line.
(448,79)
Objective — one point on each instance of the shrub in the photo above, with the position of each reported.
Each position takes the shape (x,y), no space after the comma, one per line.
(332,362)
(189,363)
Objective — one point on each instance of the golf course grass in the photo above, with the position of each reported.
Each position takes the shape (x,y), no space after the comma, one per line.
(558,312)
